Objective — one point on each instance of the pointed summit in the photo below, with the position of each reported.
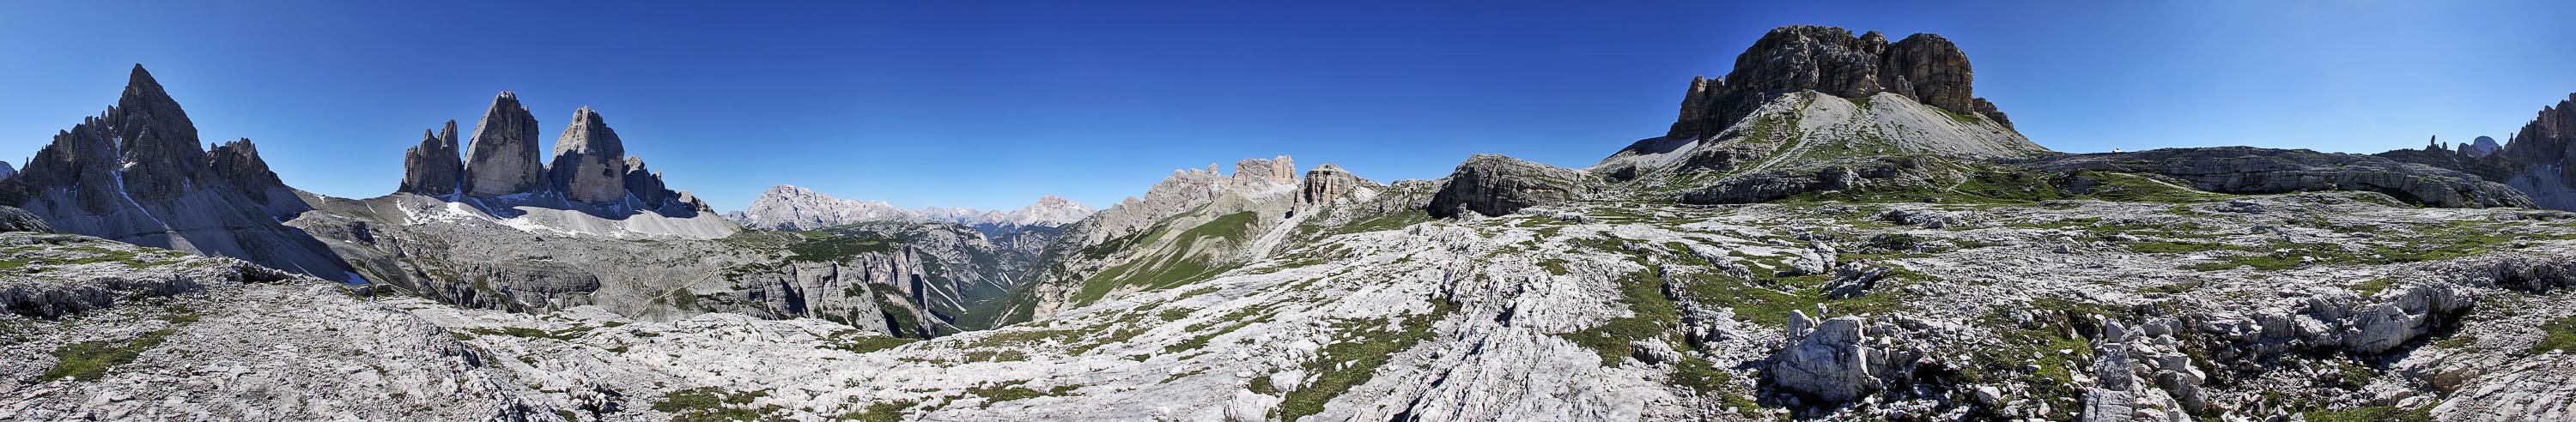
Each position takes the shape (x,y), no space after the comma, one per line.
(504,156)
(434,167)
(589,162)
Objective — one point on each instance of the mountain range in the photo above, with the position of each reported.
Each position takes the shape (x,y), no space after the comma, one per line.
(789,207)
(1836,229)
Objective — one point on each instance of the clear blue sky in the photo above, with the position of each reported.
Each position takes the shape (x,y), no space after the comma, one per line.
(990,104)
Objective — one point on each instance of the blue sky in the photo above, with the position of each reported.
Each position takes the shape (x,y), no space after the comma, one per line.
(991,104)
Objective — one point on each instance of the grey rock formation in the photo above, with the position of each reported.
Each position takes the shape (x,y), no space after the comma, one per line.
(1829,362)
(434,168)
(2248,170)
(1495,185)
(6,171)
(589,161)
(13,219)
(1788,59)
(503,159)
(137,174)
(646,185)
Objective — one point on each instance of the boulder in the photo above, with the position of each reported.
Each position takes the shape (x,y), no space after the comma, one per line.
(1827,363)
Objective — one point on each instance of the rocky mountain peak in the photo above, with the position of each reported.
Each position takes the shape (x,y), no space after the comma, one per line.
(137,174)
(1275,170)
(154,136)
(1924,67)
(434,167)
(589,161)
(503,160)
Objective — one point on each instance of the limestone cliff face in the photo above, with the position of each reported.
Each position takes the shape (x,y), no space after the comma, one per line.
(1924,67)
(589,161)
(504,157)
(434,168)
(590,171)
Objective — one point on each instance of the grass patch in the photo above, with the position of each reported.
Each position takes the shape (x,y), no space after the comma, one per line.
(2556,335)
(2372,414)
(86,361)
(858,341)
(713,404)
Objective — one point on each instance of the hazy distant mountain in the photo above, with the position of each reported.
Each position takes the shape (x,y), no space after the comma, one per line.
(791,207)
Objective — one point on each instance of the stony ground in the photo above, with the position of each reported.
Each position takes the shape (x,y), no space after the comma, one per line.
(2321,305)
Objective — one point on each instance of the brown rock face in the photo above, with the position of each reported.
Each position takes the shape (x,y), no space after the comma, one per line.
(1925,67)
(589,161)
(504,158)
(434,168)
(1323,185)
(1275,170)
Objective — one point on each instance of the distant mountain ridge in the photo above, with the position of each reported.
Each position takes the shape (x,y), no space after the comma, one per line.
(791,207)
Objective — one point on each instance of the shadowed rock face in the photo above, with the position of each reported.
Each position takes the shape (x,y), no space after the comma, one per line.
(2248,170)
(589,161)
(1495,185)
(434,168)
(137,174)
(1925,67)
(504,158)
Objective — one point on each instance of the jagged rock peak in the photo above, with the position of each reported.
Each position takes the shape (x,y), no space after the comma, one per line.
(589,161)
(155,139)
(504,156)
(1925,67)
(238,162)
(645,184)
(435,167)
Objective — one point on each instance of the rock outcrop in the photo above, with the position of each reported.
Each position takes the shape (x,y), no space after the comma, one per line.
(1925,67)
(1275,170)
(2249,170)
(503,160)
(137,174)
(13,219)
(1323,185)
(434,168)
(1496,185)
(589,161)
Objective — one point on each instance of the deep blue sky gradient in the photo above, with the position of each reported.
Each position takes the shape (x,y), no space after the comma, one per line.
(991,104)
